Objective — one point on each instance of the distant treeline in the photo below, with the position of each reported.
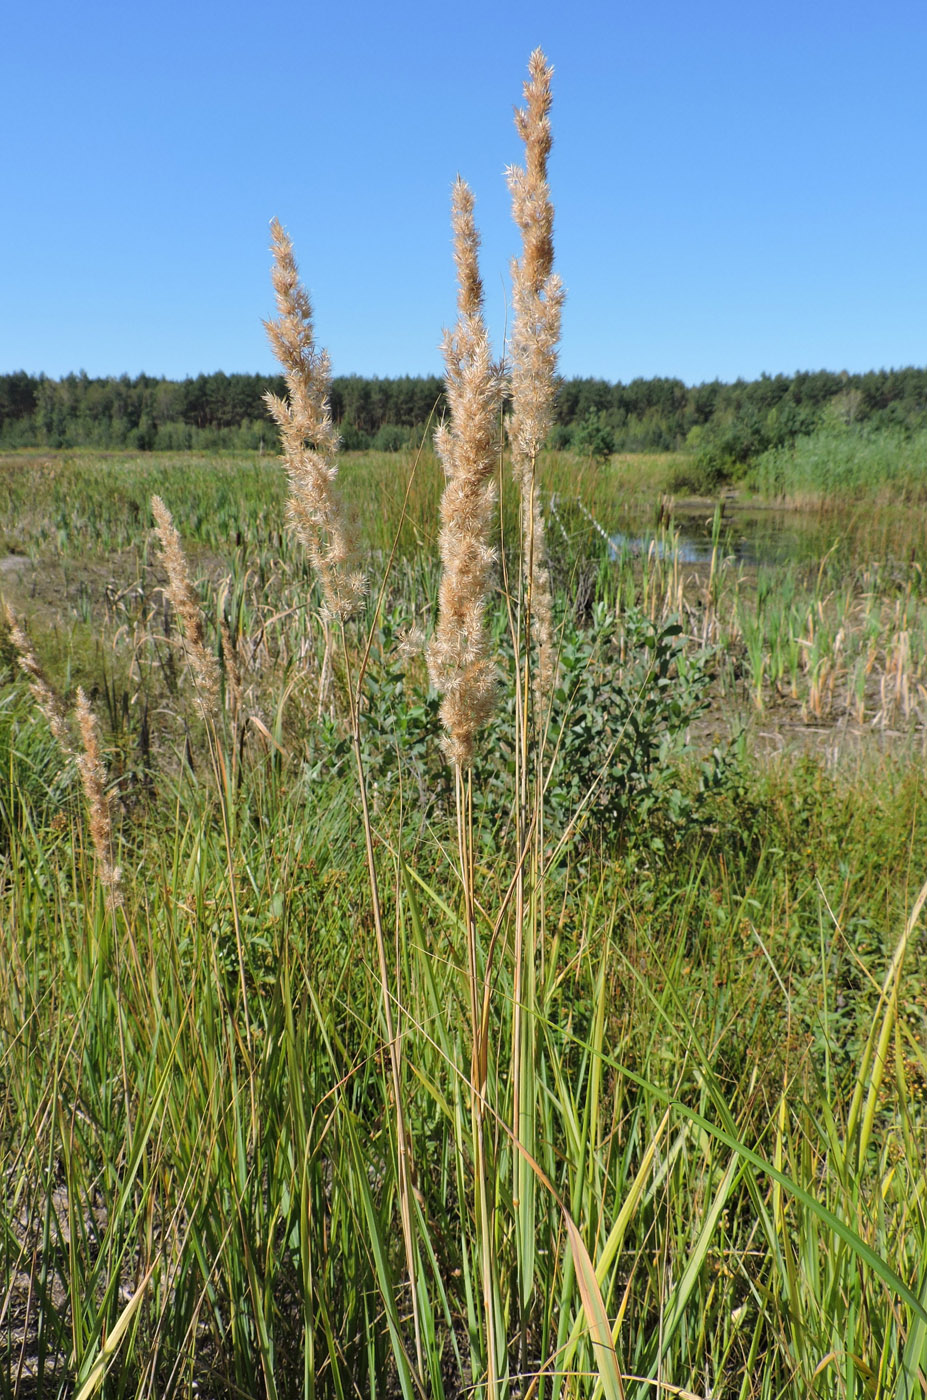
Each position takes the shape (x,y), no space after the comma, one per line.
(209,411)
(724,424)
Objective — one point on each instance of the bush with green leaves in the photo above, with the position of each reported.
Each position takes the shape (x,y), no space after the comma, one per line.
(560,438)
(392,437)
(629,690)
(627,696)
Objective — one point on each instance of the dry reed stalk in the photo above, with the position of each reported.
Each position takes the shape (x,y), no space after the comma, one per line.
(92,772)
(183,599)
(89,760)
(317,518)
(230,657)
(310,442)
(93,777)
(459,662)
(230,661)
(537,300)
(39,685)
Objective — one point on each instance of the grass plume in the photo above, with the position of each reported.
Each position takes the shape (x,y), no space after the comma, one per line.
(202,662)
(537,301)
(310,441)
(317,518)
(459,662)
(42,691)
(89,758)
(93,779)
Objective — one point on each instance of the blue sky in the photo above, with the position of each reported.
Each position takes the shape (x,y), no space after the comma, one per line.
(740,187)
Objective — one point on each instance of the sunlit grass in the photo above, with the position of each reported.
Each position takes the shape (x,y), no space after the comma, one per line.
(846,463)
(201,1190)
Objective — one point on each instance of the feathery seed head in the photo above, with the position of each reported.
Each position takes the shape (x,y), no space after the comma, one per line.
(458,659)
(42,691)
(537,298)
(466,251)
(537,293)
(93,778)
(310,441)
(183,599)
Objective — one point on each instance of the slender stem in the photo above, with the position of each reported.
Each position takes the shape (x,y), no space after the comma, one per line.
(404,1163)
(528,832)
(225,793)
(479,1062)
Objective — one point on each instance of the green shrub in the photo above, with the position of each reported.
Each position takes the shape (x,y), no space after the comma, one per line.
(627,695)
(390,438)
(352,439)
(594,437)
(560,438)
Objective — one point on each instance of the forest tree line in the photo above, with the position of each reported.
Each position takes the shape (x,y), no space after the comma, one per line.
(722,423)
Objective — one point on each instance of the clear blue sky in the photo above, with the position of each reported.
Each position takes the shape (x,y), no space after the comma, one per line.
(740,187)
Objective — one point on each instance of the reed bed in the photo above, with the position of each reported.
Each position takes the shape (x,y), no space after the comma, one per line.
(831,642)
(388,1020)
(846,462)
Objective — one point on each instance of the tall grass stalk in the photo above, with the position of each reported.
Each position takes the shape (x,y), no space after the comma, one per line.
(537,299)
(317,516)
(463,671)
(203,666)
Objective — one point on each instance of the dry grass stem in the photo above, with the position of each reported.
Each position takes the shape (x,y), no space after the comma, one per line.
(183,599)
(459,662)
(537,298)
(93,777)
(42,691)
(310,442)
(233,685)
(318,519)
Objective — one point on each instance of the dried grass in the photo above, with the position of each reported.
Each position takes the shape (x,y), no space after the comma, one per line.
(459,662)
(537,298)
(42,691)
(93,778)
(203,663)
(310,442)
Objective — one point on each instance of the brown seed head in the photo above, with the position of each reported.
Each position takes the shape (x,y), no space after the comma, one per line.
(458,654)
(93,777)
(537,297)
(537,293)
(42,690)
(310,442)
(180,591)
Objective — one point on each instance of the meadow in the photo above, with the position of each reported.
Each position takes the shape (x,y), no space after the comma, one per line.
(202,1183)
(455,937)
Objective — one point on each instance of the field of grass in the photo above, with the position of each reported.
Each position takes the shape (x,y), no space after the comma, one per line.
(632,1105)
